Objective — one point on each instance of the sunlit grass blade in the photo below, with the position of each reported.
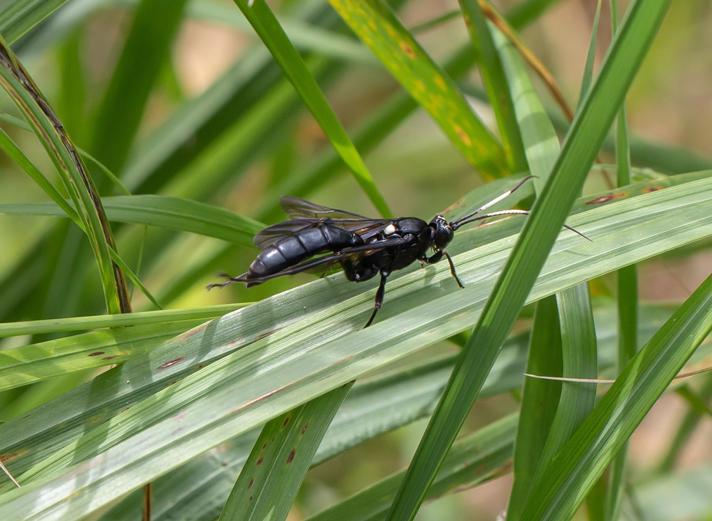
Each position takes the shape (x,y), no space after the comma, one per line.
(167,212)
(267,27)
(146,48)
(377,26)
(256,361)
(563,484)
(495,83)
(77,182)
(474,459)
(32,363)
(528,256)
(270,479)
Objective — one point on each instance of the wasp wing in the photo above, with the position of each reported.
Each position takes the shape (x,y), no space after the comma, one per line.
(297,208)
(306,214)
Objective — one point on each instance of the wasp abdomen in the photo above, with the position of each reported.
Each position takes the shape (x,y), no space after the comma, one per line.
(305,243)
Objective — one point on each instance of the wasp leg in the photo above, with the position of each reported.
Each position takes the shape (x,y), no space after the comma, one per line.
(435,257)
(452,270)
(378,302)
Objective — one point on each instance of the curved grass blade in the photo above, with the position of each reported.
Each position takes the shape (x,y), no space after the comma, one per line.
(321,350)
(563,484)
(270,479)
(267,27)
(377,26)
(528,256)
(168,212)
(72,172)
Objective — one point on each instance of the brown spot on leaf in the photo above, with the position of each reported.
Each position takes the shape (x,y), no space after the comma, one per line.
(407,49)
(292,453)
(463,135)
(109,357)
(96,353)
(304,428)
(252,482)
(260,460)
(171,363)
(649,189)
(605,198)
(286,421)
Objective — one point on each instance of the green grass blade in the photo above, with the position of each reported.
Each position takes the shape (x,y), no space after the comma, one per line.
(539,400)
(147,46)
(267,27)
(270,479)
(564,483)
(172,213)
(19,16)
(473,460)
(627,294)
(63,325)
(495,83)
(261,367)
(550,209)
(377,26)
(591,54)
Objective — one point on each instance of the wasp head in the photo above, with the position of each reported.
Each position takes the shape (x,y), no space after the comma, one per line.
(442,232)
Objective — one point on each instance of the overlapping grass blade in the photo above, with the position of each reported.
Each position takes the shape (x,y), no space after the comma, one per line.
(563,484)
(322,350)
(566,334)
(377,26)
(267,27)
(550,209)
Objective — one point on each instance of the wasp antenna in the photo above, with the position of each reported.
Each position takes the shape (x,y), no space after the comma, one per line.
(467,218)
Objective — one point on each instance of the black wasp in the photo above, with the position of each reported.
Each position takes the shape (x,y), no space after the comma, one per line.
(364,247)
